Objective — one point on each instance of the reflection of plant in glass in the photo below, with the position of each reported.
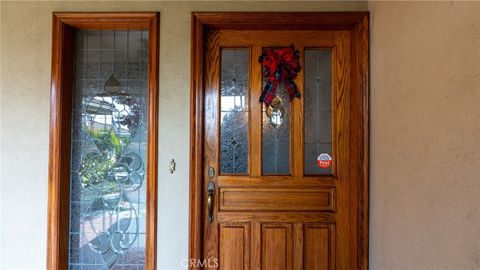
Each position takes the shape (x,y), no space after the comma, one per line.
(95,167)
(112,121)
(108,140)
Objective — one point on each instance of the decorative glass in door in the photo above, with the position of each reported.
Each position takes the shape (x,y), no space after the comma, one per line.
(107,222)
(318,111)
(276,134)
(234,111)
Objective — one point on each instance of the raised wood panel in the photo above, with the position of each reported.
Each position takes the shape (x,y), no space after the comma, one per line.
(277,199)
(277,243)
(234,246)
(244,216)
(318,246)
(282,181)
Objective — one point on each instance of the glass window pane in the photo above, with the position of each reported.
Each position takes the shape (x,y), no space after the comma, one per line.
(276,134)
(318,111)
(108,155)
(234,111)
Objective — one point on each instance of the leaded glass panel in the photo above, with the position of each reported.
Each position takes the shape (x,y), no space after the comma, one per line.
(318,109)
(276,134)
(109,136)
(234,111)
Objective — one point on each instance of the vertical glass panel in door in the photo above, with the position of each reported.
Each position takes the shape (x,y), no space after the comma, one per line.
(234,111)
(318,112)
(276,133)
(108,151)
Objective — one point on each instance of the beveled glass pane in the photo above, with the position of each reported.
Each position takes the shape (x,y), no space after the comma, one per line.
(276,134)
(234,111)
(108,152)
(318,111)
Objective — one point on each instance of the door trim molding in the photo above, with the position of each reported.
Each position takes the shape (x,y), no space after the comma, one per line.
(357,22)
(63,27)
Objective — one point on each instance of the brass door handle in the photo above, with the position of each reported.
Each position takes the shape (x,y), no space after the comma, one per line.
(210,198)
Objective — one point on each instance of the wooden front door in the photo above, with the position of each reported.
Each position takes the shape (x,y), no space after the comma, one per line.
(281,182)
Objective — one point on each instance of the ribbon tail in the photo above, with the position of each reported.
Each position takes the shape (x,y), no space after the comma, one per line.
(292,89)
(268,92)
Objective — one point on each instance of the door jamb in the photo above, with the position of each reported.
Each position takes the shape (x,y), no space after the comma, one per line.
(357,23)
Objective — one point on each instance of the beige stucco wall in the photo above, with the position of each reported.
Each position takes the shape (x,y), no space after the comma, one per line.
(425,149)
(425,135)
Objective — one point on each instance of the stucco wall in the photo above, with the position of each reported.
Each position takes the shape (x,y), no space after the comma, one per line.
(25,63)
(425,125)
(425,142)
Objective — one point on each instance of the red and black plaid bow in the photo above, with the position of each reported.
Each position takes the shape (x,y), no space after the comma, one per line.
(280,66)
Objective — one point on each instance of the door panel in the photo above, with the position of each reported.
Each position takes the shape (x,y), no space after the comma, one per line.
(277,249)
(280,199)
(271,210)
(233,240)
(318,246)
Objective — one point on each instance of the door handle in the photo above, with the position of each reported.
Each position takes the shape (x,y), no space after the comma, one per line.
(210,198)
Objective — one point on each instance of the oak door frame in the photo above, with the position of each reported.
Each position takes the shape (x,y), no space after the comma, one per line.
(64,25)
(357,23)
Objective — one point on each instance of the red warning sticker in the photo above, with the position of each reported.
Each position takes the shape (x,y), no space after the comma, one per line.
(324,160)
